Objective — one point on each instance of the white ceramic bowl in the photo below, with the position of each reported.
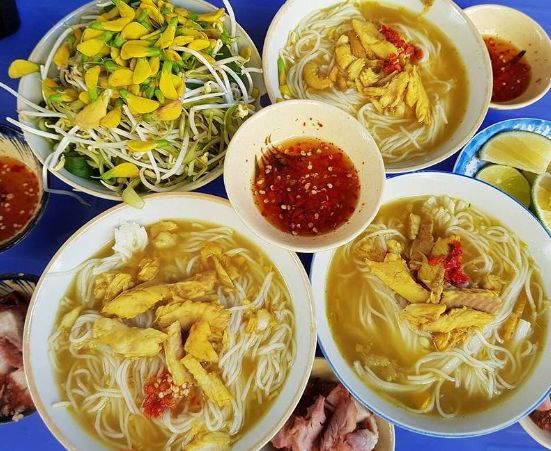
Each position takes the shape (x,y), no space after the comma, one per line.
(387,439)
(518,403)
(525,34)
(30,88)
(539,435)
(447,16)
(95,235)
(294,119)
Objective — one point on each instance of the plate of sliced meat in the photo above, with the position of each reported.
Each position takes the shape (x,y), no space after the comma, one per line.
(327,417)
(15,293)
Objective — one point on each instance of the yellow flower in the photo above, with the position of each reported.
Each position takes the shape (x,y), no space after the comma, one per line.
(48,87)
(91,47)
(171,55)
(115,25)
(141,146)
(155,64)
(214,16)
(178,83)
(166,84)
(20,68)
(169,112)
(168,35)
(142,71)
(116,56)
(138,104)
(113,118)
(126,170)
(153,13)
(138,49)
(121,77)
(62,54)
(91,114)
(84,97)
(91,77)
(199,44)
(180,41)
(134,30)
(90,33)
(125,10)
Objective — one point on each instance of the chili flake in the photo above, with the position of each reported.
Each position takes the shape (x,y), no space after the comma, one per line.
(306,187)
(161,394)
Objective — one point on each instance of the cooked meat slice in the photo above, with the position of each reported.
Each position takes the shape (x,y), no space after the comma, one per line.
(421,314)
(343,421)
(301,433)
(197,286)
(423,242)
(10,354)
(458,318)
(448,340)
(15,399)
(491,282)
(11,327)
(432,277)
(162,226)
(335,396)
(475,298)
(542,419)
(361,440)
(210,383)
(124,340)
(190,312)
(174,351)
(109,285)
(148,268)
(198,344)
(394,273)
(371,249)
(135,301)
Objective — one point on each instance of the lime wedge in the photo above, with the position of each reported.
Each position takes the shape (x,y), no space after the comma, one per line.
(507,179)
(541,199)
(519,149)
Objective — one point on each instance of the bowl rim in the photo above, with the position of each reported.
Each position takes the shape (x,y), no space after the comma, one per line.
(35,395)
(7,130)
(273,109)
(416,430)
(214,174)
(526,423)
(283,10)
(511,104)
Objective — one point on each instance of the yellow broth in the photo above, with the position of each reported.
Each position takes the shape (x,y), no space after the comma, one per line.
(148,433)
(355,341)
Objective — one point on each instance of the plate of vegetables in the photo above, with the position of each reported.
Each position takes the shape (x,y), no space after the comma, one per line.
(121,99)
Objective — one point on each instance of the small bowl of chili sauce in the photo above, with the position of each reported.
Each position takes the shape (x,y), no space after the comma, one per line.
(22,196)
(304,175)
(520,52)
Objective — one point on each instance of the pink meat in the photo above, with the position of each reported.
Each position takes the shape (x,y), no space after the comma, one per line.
(545,405)
(344,420)
(336,395)
(11,326)
(10,354)
(361,440)
(15,397)
(300,433)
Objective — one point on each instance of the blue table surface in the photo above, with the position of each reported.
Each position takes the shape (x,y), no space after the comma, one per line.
(64,215)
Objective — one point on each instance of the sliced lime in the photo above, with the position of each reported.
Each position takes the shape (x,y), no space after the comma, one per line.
(541,199)
(519,149)
(507,179)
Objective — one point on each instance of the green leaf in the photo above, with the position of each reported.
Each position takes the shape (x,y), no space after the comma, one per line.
(77,165)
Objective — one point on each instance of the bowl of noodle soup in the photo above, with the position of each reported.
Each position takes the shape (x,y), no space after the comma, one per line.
(418,77)
(172,330)
(483,370)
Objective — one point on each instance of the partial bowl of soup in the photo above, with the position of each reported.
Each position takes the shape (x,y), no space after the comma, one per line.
(169,327)
(436,316)
(416,74)
(304,175)
(22,195)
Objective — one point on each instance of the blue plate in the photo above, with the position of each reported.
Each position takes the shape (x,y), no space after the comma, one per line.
(468,162)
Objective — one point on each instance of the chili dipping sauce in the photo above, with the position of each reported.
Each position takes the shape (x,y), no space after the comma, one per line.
(511,71)
(19,197)
(306,187)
